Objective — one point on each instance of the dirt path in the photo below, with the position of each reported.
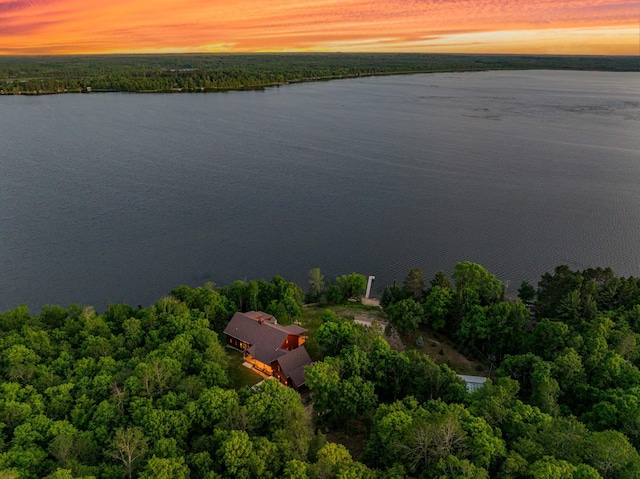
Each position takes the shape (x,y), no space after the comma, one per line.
(370,302)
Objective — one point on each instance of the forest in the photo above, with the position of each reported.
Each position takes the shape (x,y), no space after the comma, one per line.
(153,393)
(38,75)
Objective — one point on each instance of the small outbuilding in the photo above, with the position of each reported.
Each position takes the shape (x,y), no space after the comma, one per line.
(473,383)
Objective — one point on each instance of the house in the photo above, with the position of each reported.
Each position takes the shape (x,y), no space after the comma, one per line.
(271,348)
(473,383)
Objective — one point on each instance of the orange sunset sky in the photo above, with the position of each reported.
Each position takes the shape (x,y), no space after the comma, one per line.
(609,27)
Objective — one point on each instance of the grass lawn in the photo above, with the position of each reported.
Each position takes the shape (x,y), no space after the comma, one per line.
(238,374)
(311,320)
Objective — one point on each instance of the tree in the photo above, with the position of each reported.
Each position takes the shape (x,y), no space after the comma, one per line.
(453,467)
(332,458)
(568,370)
(333,336)
(507,322)
(496,329)
(552,288)
(215,306)
(340,399)
(355,362)
(286,299)
(562,438)
(213,407)
(236,454)
(160,422)
(545,389)
(526,292)
(548,337)
(271,408)
(390,371)
(413,284)
(355,398)
(351,285)
(316,284)
(440,279)
(253,296)
(551,468)
(520,368)
(59,474)
(9,474)
(472,276)
(296,469)
(334,294)
(611,454)
(583,471)
(434,440)
(426,380)
(128,445)
(392,294)
(60,400)
(20,363)
(534,375)
(570,308)
(237,294)
(389,429)
(62,446)
(495,402)
(356,470)
(437,307)
(158,374)
(617,410)
(323,379)
(405,315)
(166,468)
(422,437)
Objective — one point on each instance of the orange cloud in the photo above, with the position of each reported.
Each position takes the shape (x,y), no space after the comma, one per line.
(505,26)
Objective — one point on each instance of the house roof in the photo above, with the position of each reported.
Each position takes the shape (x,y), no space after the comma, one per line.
(291,329)
(473,379)
(264,337)
(260,315)
(266,351)
(294,329)
(292,364)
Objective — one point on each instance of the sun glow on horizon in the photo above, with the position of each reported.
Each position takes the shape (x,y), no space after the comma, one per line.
(600,27)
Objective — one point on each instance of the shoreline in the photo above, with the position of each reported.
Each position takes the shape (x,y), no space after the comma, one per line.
(193,73)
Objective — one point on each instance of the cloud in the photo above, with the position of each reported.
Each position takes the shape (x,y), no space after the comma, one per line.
(247,25)
(28,29)
(11,6)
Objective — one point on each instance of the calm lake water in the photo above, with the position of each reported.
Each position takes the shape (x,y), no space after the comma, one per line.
(120,198)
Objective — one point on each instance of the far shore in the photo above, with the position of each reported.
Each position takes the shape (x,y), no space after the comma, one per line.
(207,73)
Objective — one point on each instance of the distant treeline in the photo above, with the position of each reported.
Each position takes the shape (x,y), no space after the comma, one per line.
(213,72)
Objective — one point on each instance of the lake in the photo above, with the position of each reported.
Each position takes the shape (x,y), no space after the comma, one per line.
(122,197)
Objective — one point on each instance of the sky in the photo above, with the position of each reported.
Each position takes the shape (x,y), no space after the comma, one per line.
(598,27)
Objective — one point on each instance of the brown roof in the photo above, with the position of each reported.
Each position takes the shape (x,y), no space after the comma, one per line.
(265,338)
(295,330)
(266,351)
(259,315)
(273,322)
(292,364)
